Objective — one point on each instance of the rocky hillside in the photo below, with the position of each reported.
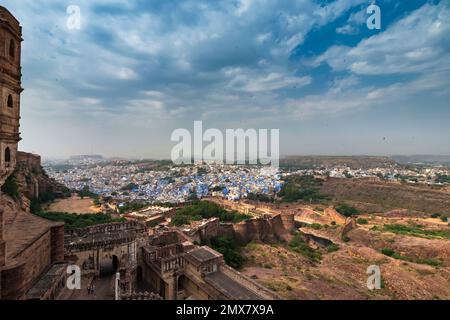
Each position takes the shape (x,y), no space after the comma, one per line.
(30,185)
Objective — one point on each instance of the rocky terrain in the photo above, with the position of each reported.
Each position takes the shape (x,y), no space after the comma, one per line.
(413,266)
(380,196)
(30,182)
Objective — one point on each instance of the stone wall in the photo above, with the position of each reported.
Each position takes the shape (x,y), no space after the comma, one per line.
(18,276)
(57,243)
(37,258)
(13,284)
(33,181)
(33,161)
(268,229)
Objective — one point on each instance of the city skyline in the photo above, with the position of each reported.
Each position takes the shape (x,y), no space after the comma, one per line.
(135,71)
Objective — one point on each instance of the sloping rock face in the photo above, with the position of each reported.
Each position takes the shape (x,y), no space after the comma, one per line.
(334,215)
(33,182)
(350,224)
(329,215)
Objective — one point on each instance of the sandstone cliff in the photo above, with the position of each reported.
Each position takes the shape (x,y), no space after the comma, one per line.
(30,182)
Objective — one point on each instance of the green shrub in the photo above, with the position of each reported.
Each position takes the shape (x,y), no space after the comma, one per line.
(304,188)
(230,250)
(298,245)
(206,210)
(416,231)
(391,253)
(332,248)
(362,221)
(10,187)
(316,226)
(388,252)
(347,211)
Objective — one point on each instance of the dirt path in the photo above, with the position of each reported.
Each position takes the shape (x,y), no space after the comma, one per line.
(74,204)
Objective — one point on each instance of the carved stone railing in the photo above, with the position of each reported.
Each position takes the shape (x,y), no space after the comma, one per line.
(107,228)
(110,243)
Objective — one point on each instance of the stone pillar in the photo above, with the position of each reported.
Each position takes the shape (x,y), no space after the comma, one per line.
(170,288)
(117,286)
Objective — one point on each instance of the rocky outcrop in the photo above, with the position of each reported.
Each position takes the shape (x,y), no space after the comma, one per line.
(328,216)
(33,182)
(350,224)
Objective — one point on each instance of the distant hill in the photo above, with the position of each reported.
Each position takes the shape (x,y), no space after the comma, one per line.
(87,157)
(422,159)
(354,162)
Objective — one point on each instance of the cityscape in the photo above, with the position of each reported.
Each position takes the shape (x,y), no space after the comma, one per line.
(226,156)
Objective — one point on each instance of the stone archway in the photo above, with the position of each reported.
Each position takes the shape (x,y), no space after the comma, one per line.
(109,266)
(182,287)
(115,263)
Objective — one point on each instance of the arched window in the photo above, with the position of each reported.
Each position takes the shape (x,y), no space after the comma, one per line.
(10,102)
(12,48)
(7,155)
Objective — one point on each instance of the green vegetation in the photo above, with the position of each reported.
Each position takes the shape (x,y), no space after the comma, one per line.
(416,231)
(332,248)
(75,221)
(205,210)
(444,219)
(132,206)
(316,226)
(10,187)
(86,193)
(164,204)
(347,210)
(259,197)
(362,221)
(230,250)
(302,188)
(298,245)
(443,179)
(391,253)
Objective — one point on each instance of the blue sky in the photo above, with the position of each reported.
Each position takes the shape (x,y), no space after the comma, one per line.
(137,70)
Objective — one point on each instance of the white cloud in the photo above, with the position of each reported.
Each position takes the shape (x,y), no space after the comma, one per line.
(257,82)
(243,7)
(416,43)
(126,74)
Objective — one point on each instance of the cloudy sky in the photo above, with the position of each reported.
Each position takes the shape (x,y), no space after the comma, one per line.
(137,70)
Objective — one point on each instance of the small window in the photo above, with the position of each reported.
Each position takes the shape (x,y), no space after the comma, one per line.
(10,102)
(7,155)
(12,49)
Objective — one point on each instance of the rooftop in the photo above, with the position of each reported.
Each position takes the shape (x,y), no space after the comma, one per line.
(22,229)
(230,287)
(47,281)
(203,254)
